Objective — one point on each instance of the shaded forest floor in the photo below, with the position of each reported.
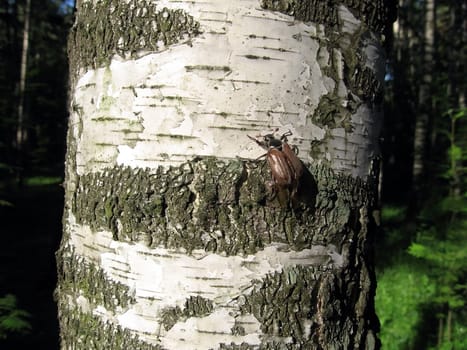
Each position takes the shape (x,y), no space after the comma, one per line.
(30,232)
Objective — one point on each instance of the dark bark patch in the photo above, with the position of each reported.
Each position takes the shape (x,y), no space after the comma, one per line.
(331,113)
(78,276)
(363,83)
(323,12)
(87,331)
(195,306)
(284,303)
(312,306)
(271,345)
(221,207)
(377,14)
(106,28)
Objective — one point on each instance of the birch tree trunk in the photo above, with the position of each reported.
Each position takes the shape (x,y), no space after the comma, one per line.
(21,132)
(425,104)
(172,238)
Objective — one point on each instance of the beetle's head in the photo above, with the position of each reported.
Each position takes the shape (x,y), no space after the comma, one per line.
(271,141)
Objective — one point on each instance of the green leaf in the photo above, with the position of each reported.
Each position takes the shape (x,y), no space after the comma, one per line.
(12,319)
(5,166)
(454,204)
(43,180)
(461,113)
(393,213)
(15,323)
(455,152)
(8,302)
(4,203)
(455,113)
(418,250)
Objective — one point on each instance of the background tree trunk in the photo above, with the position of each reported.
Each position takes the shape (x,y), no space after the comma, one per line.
(21,131)
(172,239)
(425,104)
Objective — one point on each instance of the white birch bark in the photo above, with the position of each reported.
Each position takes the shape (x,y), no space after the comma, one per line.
(249,71)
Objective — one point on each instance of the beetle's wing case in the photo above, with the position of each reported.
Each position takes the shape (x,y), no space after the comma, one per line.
(294,162)
(281,170)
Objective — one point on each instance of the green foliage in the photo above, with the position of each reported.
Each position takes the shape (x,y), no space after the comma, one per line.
(393,214)
(43,180)
(421,296)
(442,239)
(12,319)
(457,338)
(459,333)
(4,203)
(402,292)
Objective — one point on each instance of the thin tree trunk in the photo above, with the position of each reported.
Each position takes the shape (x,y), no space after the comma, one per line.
(448,333)
(21,132)
(425,103)
(173,236)
(440,331)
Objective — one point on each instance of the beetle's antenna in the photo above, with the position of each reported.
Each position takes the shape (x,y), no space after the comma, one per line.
(261,144)
(285,134)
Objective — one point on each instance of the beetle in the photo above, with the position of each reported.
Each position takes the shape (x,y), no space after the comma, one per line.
(286,167)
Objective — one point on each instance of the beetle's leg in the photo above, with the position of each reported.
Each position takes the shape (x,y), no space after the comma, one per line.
(295,149)
(253,163)
(272,187)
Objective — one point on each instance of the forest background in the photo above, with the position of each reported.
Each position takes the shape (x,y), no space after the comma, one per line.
(420,246)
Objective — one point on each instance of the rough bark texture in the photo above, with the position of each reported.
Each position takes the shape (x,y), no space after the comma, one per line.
(324,300)
(170,240)
(109,27)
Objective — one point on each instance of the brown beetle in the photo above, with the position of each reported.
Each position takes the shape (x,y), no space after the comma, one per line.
(286,167)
